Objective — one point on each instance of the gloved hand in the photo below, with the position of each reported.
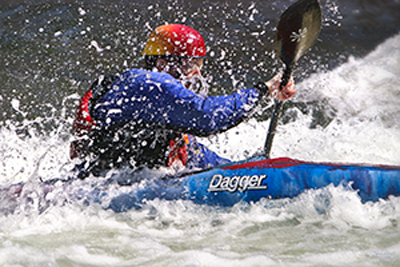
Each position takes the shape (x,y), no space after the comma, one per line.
(271,88)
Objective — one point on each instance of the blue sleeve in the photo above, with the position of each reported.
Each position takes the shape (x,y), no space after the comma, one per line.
(159,99)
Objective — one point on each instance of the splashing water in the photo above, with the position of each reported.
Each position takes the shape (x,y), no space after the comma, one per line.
(197,84)
(345,111)
(361,96)
(317,227)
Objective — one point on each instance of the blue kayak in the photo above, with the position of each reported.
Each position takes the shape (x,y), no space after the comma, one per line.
(260,178)
(247,181)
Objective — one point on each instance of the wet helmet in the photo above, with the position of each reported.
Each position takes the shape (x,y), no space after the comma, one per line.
(175,40)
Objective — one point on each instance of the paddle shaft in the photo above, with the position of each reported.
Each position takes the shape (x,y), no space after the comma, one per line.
(275,115)
(297,30)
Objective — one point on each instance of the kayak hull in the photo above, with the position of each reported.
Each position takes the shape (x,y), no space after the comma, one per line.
(260,178)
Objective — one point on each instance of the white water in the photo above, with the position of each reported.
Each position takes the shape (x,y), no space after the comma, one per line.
(326,227)
(366,94)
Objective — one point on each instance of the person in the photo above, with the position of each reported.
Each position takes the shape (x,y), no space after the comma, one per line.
(150,117)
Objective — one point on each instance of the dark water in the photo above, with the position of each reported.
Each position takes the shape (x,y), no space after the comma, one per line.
(53,49)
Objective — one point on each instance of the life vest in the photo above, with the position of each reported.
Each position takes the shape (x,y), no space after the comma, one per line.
(84,124)
(178,151)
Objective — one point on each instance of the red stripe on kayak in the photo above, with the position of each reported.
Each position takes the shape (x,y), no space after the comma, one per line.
(267,163)
(288,162)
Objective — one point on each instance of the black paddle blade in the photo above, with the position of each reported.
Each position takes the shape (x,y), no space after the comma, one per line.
(297,30)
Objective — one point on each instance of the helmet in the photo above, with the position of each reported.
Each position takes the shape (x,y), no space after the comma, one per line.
(175,40)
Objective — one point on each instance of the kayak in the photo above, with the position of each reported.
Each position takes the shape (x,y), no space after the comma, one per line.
(246,181)
(260,178)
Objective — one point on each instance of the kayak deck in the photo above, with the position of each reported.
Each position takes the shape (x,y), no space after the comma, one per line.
(259,178)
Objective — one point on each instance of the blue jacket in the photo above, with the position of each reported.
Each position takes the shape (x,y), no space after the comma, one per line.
(160,101)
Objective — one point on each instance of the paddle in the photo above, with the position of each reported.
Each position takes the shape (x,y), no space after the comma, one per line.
(297,31)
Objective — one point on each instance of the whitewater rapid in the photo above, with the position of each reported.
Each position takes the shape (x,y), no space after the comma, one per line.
(364,96)
(328,226)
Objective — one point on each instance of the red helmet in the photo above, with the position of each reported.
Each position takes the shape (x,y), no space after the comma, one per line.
(175,40)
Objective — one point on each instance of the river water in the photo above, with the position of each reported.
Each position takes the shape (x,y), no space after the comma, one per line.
(346,110)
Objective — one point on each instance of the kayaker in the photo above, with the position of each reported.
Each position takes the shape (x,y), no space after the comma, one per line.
(149,117)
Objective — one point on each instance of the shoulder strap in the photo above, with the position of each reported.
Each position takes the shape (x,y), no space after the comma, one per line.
(99,88)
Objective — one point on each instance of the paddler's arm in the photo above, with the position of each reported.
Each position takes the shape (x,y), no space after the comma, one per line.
(160,100)
(205,116)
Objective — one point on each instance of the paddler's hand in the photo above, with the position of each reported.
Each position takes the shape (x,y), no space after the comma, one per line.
(286,92)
